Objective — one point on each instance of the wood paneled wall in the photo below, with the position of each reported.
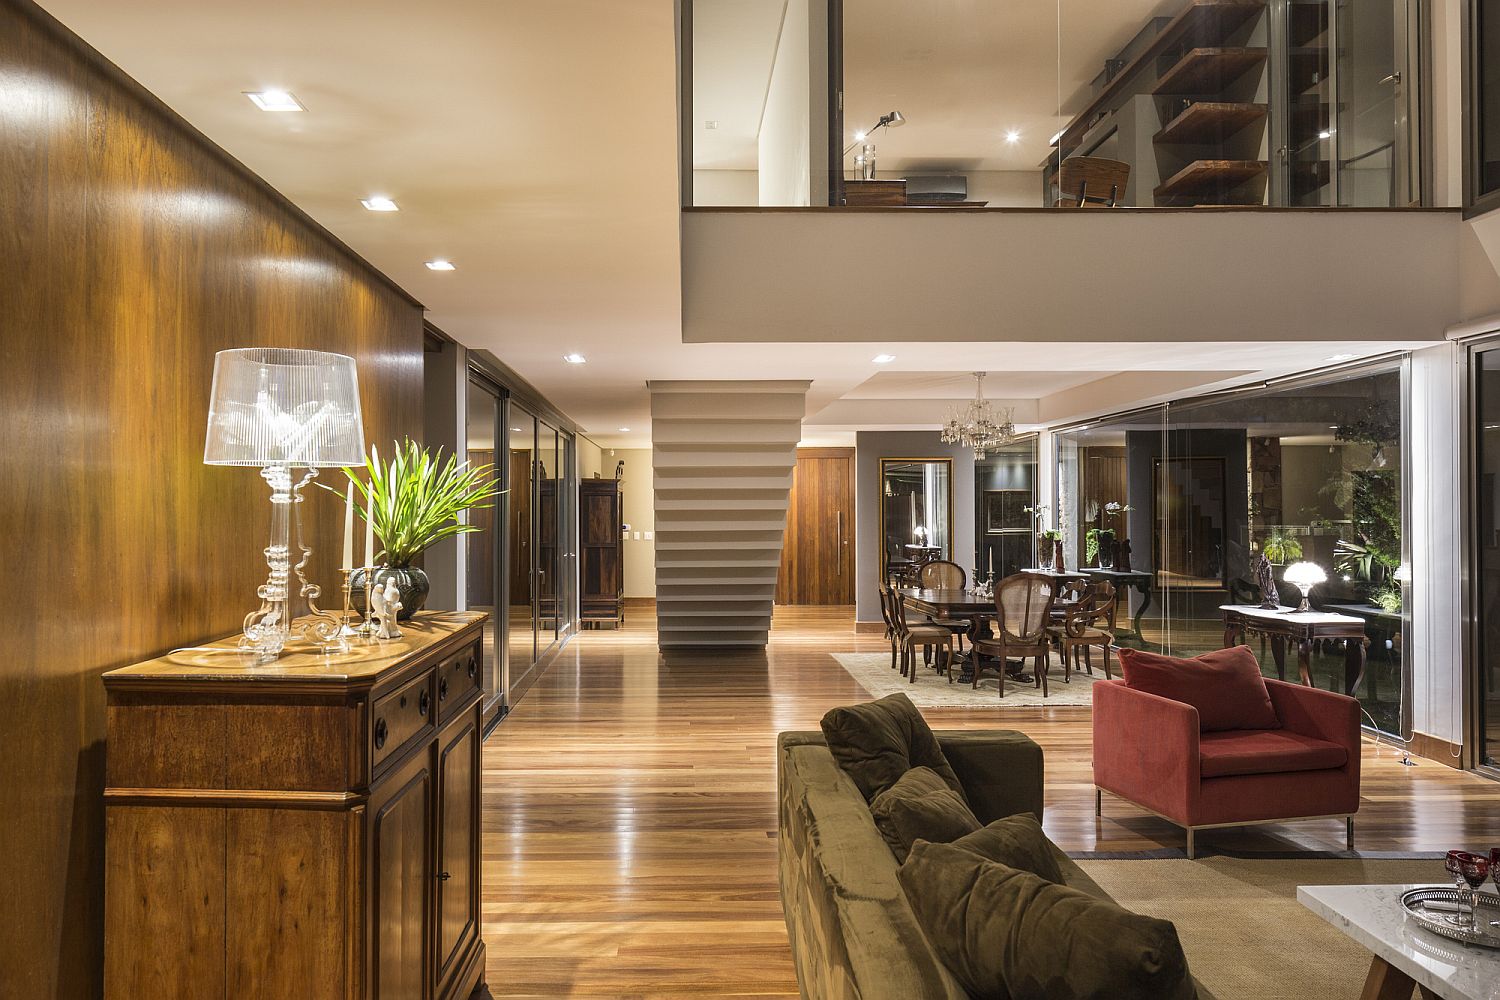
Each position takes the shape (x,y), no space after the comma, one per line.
(131,249)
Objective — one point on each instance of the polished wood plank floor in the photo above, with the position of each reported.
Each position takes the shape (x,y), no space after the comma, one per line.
(630,814)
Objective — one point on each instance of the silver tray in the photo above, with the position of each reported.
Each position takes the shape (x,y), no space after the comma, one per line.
(1487,904)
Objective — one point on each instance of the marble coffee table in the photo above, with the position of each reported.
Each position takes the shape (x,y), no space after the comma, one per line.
(1404,955)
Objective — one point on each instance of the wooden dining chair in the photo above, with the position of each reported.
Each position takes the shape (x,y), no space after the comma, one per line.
(1089,623)
(944,575)
(1091,182)
(891,635)
(1023,609)
(928,637)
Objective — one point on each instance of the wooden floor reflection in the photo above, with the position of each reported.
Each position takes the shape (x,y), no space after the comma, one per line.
(630,818)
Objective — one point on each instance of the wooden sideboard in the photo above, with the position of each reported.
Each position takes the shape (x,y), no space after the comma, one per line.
(306,829)
(602,571)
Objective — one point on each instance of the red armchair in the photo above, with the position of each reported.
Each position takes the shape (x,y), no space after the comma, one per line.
(1149,750)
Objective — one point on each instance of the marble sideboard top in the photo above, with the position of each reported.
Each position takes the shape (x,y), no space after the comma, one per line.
(1372,915)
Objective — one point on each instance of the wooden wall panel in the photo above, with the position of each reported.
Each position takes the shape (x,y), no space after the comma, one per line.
(133,250)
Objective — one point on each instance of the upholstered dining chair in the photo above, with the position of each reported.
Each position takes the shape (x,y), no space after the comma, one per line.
(941,574)
(1088,623)
(886,594)
(1023,610)
(909,637)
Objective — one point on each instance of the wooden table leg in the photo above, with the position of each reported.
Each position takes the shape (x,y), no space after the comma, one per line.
(1354,663)
(1278,653)
(1386,982)
(1304,660)
(1145,592)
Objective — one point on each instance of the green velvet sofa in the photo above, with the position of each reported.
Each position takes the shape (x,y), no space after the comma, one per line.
(853,935)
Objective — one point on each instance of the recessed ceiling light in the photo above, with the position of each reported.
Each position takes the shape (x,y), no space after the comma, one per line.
(574,358)
(1338,357)
(441,265)
(380,203)
(883,359)
(1013,136)
(274,100)
(624,430)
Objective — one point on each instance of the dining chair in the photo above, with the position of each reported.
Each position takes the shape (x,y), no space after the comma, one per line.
(1089,623)
(891,635)
(944,575)
(1091,182)
(1023,609)
(929,637)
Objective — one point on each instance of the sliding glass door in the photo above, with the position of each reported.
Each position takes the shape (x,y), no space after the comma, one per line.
(1486,521)
(482,551)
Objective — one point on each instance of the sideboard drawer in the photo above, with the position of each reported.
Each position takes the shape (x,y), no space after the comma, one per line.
(457,676)
(401,716)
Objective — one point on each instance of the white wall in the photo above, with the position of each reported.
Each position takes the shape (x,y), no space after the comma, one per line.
(637,509)
(728,188)
(1436,533)
(786,125)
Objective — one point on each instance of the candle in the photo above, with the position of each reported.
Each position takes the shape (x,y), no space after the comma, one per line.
(370,535)
(348,562)
(992,562)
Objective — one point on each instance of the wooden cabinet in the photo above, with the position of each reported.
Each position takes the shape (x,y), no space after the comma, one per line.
(306,829)
(602,571)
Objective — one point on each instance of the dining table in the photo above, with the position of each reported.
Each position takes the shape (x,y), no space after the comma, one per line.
(957,604)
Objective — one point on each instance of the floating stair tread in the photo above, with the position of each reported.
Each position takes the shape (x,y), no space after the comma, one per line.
(1209,176)
(1208,70)
(1210,121)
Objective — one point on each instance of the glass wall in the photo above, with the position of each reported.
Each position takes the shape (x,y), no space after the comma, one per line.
(1487,549)
(1004,493)
(521,568)
(483,555)
(875,103)
(1483,110)
(1193,491)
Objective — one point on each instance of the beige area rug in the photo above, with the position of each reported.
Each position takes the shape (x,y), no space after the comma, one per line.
(1245,935)
(932,690)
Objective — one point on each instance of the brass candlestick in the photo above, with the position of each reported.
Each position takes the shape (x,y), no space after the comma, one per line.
(347,586)
(368,626)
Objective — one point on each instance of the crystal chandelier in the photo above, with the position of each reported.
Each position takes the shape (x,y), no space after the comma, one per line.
(978,425)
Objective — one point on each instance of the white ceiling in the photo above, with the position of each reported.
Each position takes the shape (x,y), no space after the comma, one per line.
(1002,384)
(535,146)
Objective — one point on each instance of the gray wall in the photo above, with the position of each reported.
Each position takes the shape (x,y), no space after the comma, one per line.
(869,448)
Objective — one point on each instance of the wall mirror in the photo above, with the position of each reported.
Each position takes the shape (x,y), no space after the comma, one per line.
(916,515)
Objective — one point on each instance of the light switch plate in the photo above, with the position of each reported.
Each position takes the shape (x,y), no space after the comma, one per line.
(648,536)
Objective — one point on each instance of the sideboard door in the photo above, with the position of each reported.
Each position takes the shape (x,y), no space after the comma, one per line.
(400,862)
(458,839)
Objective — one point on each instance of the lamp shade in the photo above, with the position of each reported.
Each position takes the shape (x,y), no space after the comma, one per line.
(1305,575)
(282,406)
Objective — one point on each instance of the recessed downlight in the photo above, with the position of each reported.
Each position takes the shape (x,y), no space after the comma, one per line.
(575,358)
(1013,136)
(883,359)
(274,100)
(624,430)
(441,265)
(379,203)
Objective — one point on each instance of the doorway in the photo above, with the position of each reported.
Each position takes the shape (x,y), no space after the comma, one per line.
(817,554)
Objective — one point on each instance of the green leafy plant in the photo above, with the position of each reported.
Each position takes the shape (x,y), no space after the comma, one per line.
(1092,539)
(1281,546)
(416,498)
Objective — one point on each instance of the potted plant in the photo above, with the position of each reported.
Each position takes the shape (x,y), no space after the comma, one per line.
(415,500)
(1099,541)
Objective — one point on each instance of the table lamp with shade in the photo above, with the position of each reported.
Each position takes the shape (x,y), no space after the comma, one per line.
(280,410)
(1304,576)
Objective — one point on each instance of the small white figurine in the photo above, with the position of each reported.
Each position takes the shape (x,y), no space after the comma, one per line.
(387,607)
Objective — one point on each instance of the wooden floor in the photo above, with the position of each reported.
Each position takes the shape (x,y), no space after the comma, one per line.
(630,818)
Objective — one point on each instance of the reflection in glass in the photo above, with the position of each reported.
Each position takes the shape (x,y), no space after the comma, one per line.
(1005,485)
(522,640)
(482,573)
(1487,525)
(549,514)
(916,511)
(1311,473)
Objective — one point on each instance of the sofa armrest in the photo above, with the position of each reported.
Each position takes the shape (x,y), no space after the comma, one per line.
(1323,715)
(1001,771)
(1146,749)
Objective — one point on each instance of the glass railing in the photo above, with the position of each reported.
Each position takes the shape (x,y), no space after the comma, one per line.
(1051,103)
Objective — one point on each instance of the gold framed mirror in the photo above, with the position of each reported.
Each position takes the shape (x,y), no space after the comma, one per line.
(916,515)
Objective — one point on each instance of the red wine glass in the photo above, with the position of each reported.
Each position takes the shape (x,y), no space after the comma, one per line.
(1475,869)
(1454,865)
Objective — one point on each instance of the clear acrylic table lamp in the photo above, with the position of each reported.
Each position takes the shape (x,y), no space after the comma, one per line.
(281,409)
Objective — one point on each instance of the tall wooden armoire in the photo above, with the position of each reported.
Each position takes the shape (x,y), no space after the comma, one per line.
(602,572)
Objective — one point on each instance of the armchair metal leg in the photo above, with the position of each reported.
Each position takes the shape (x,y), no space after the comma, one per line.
(1098,801)
(1190,851)
(1349,833)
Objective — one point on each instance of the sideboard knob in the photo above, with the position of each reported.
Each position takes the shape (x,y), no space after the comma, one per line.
(472,667)
(443,689)
(424,702)
(444,876)
(380,733)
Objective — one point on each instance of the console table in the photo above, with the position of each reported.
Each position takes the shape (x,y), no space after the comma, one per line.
(1122,578)
(1303,628)
(309,828)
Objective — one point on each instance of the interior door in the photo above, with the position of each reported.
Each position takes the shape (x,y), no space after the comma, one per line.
(817,552)
(401,842)
(458,839)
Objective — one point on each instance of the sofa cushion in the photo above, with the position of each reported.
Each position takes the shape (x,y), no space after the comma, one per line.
(1265,751)
(879,741)
(1225,686)
(1017,842)
(1005,933)
(921,806)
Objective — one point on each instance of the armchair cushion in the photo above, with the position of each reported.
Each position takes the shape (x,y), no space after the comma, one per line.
(1017,842)
(1265,751)
(879,741)
(1225,686)
(921,806)
(1006,933)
